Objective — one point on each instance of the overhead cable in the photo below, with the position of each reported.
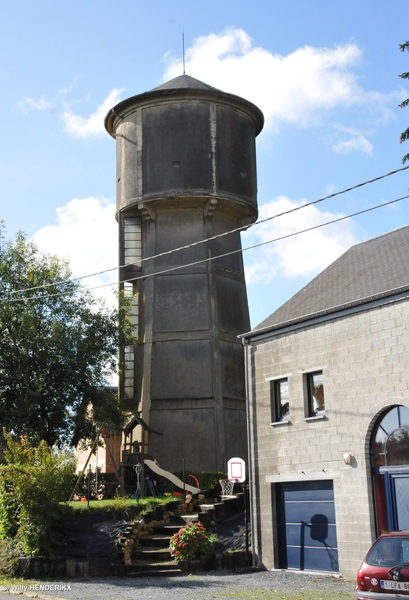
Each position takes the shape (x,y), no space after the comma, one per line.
(213,258)
(219,235)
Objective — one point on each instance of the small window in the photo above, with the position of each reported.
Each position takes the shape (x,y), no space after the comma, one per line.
(280,407)
(315,389)
(132,242)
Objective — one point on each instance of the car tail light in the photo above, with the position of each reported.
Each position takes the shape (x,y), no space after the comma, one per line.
(360,582)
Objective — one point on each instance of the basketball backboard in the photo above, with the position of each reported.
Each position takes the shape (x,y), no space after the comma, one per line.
(236,469)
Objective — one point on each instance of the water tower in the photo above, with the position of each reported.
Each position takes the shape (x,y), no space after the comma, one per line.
(186,172)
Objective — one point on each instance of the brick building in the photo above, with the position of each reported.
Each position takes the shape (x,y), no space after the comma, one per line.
(328,407)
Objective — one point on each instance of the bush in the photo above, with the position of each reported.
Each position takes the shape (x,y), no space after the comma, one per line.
(33,480)
(192,541)
(10,551)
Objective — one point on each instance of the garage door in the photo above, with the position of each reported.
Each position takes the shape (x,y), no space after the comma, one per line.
(307,536)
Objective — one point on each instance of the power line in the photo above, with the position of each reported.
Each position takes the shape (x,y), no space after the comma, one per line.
(238,229)
(212,258)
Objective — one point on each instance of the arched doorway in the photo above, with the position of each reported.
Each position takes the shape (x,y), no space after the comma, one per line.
(390,469)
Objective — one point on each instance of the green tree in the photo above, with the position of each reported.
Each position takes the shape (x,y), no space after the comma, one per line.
(405,134)
(33,480)
(58,348)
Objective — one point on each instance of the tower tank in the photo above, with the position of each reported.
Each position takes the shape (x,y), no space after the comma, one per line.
(186,172)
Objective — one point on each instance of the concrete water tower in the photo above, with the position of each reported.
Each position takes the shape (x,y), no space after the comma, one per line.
(186,172)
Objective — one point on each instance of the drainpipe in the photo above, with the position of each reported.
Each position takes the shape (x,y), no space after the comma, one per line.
(249,450)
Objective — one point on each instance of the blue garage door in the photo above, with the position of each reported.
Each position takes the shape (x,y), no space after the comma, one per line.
(307,535)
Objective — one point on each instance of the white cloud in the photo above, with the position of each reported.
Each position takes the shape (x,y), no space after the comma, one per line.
(86,234)
(94,124)
(355,144)
(295,88)
(305,254)
(69,87)
(75,124)
(28,104)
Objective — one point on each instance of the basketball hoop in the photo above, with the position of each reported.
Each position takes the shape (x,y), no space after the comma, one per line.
(227,486)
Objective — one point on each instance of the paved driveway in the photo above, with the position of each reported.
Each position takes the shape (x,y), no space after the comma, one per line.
(201,586)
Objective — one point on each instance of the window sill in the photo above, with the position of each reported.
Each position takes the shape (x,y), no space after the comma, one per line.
(316,418)
(279,423)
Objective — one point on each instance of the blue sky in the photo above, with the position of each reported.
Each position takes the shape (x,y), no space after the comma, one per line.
(325,74)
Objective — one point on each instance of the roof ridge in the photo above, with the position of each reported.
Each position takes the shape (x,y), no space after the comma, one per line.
(368,269)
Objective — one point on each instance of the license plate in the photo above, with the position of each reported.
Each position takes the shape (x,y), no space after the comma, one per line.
(389,584)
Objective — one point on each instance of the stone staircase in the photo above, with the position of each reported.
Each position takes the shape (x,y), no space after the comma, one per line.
(145,545)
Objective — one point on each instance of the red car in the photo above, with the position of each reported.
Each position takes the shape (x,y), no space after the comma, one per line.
(384,572)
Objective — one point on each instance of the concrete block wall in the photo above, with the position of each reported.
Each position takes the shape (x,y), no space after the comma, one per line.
(364,358)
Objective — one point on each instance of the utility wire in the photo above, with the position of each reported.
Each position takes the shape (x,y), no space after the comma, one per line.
(238,229)
(211,258)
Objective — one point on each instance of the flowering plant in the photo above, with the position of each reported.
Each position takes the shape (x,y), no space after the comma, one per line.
(191,541)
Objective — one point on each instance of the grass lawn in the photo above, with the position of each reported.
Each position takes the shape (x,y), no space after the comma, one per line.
(144,504)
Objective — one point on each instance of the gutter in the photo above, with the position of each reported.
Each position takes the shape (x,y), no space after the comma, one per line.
(369,302)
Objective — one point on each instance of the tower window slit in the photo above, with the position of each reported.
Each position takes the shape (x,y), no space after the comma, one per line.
(133,241)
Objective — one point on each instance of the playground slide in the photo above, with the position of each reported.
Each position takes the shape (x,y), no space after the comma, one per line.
(178,482)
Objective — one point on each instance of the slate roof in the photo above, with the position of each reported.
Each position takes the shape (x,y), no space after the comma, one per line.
(184,82)
(183,86)
(367,271)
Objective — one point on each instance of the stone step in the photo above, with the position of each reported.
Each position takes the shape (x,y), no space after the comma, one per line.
(150,555)
(168,530)
(155,540)
(144,568)
(188,519)
(155,572)
(217,507)
(178,519)
(206,517)
(174,519)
